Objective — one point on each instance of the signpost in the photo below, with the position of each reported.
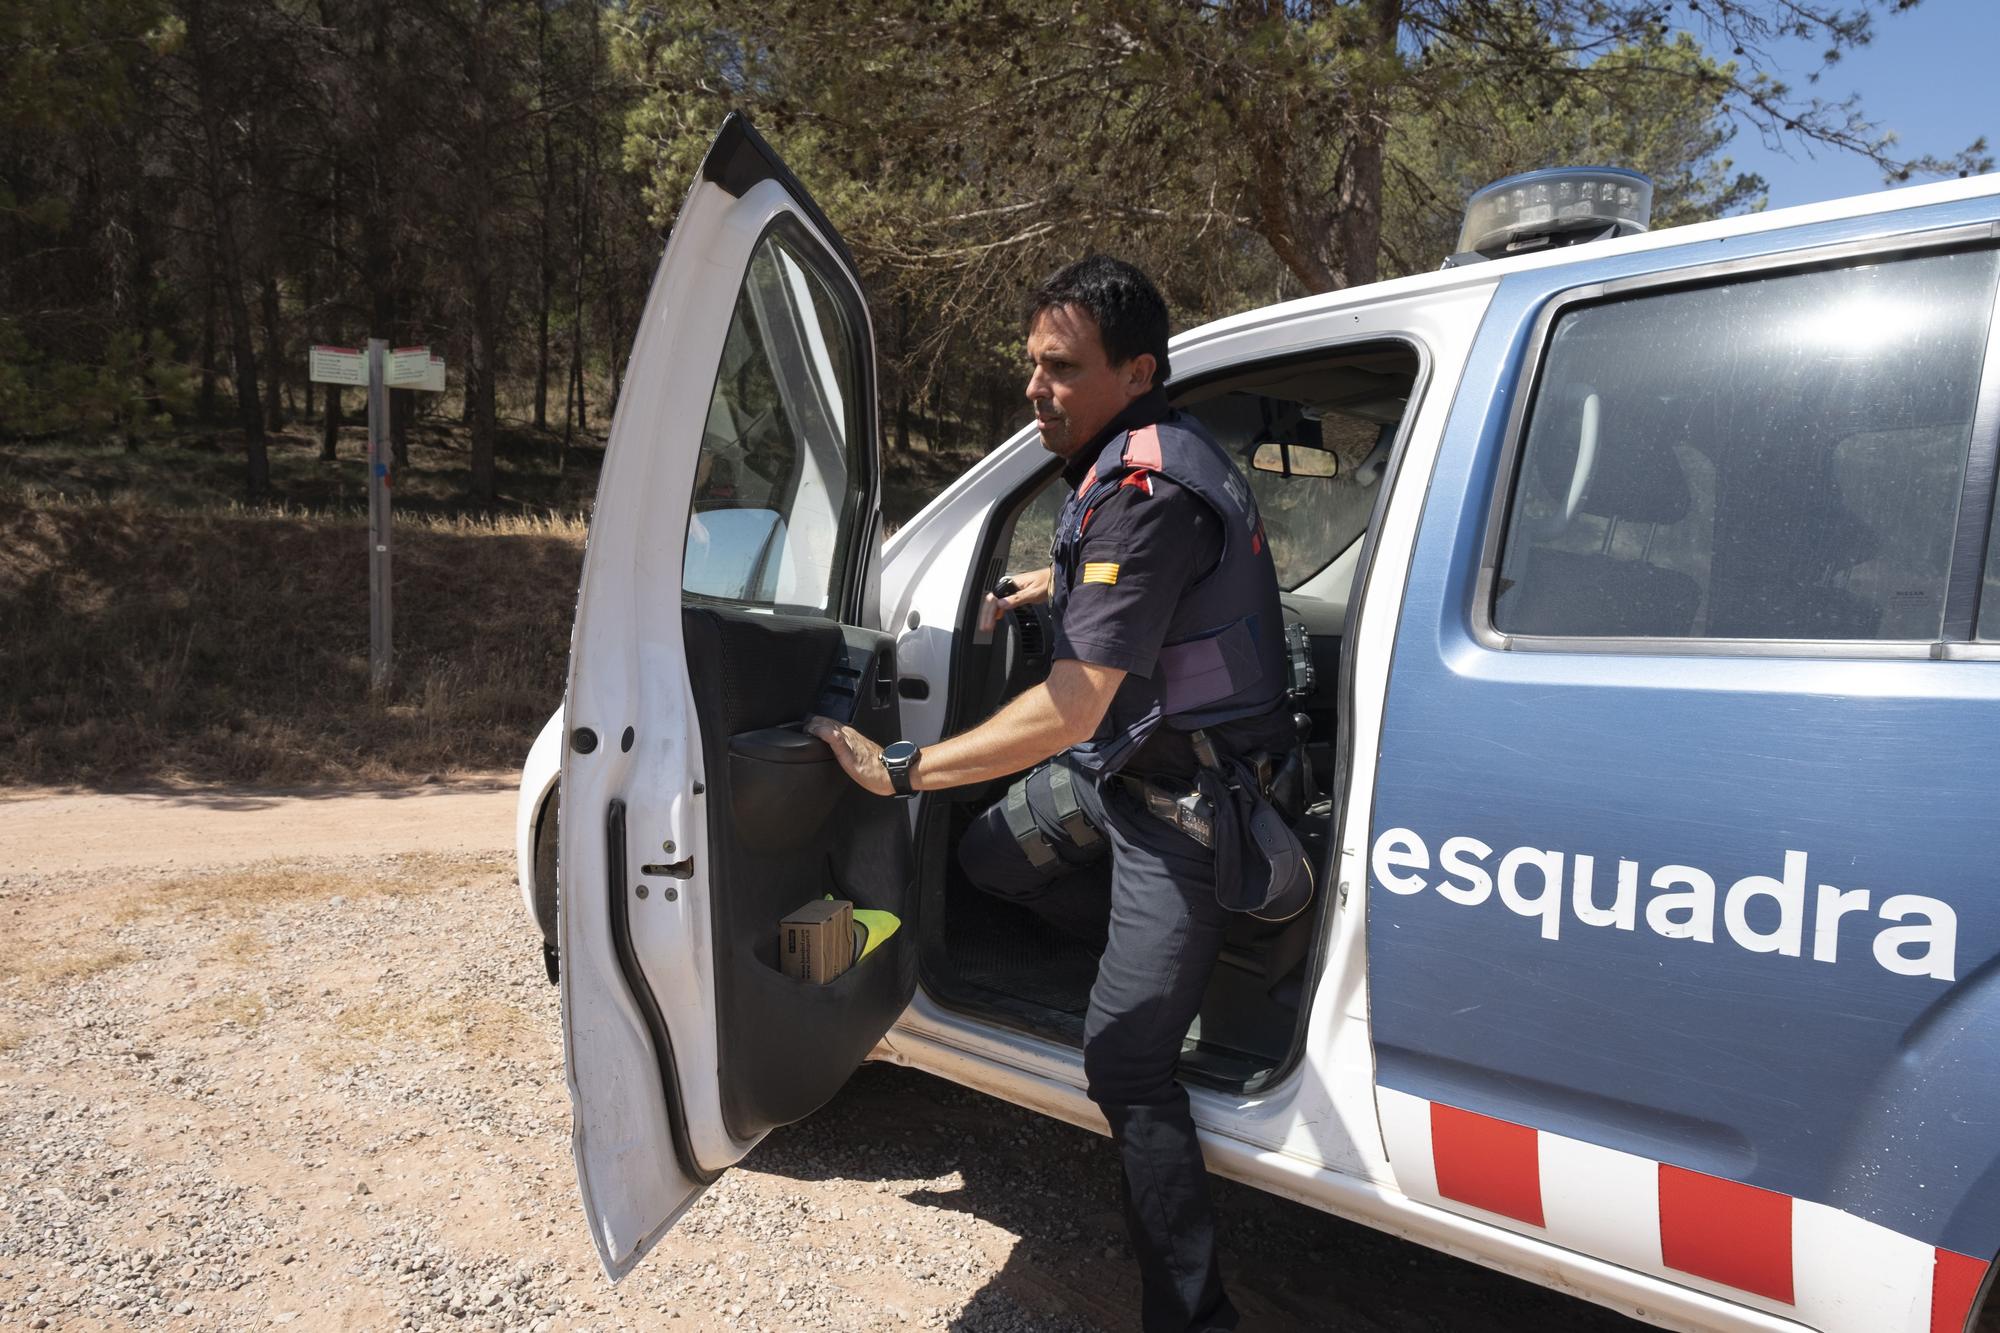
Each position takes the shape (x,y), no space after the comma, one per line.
(409,367)
(380,369)
(339,365)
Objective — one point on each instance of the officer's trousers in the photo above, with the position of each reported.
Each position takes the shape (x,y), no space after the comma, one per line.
(1153,910)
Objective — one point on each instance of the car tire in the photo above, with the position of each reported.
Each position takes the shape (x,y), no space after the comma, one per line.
(545,884)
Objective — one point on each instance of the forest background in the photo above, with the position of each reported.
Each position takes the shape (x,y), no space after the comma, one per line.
(193,191)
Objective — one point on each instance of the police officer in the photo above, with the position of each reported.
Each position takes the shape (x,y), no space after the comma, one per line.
(1167,627)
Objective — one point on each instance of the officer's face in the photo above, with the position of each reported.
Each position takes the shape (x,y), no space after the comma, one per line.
(1073,385)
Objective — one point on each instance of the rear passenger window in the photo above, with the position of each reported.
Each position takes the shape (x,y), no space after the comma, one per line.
(1774,458)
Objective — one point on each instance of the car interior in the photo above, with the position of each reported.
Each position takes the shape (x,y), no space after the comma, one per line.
(1314,438)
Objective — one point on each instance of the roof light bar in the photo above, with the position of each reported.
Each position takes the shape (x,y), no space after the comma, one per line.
(1554,206)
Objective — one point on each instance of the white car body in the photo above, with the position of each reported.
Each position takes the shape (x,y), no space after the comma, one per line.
(1324,1133)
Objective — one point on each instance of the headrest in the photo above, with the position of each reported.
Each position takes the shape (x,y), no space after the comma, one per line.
(1630,477)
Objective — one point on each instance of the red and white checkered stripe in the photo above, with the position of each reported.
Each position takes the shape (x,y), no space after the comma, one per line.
(1825,1268)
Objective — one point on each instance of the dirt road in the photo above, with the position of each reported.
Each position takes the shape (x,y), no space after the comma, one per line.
(275,1060)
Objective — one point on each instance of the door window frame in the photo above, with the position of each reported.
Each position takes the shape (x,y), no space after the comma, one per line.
(1973,515)
(799,230)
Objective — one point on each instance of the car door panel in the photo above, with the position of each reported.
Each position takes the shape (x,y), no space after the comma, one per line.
(724,599)
(787,826)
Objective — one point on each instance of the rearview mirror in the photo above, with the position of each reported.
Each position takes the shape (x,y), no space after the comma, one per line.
(1295,460)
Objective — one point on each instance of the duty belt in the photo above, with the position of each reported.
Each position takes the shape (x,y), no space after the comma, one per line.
(1188,810)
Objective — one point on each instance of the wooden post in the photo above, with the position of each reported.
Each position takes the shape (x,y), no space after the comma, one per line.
(381,655)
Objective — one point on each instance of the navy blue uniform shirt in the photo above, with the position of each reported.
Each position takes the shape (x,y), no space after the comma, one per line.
(1162,538)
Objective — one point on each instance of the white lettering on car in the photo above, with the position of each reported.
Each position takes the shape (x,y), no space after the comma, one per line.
(1760,913)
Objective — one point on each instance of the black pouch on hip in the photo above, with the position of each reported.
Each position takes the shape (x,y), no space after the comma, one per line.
(1260,867)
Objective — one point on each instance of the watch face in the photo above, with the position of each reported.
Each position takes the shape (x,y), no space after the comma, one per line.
(900,752)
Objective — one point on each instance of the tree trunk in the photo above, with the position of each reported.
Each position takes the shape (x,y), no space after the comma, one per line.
(902,374)
(329,428)
(204,402)
(996,412)
(1353,248)
(545,268)
(575,414)
(401,408)
(274,415)
(485,329)
(482,261)
(614,318)
(230,260)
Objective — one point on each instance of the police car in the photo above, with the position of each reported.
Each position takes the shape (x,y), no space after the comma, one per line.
(1653,600)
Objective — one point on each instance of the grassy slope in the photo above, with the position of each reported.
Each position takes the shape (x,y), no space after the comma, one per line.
(151,628)
(234,646)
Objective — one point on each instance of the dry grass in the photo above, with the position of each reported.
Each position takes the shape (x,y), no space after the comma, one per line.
(152,628)
(42,964)
(202,465)
(11,1036)
(230,645)
(468,1025)
(276,883)
(240,946)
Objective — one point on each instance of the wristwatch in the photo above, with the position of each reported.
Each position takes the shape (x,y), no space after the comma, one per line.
(898,758)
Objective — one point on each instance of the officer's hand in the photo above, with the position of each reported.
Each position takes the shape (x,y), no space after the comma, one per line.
(1030,589)
(861,757)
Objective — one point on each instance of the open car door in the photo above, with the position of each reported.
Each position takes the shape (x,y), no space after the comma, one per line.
(727,594)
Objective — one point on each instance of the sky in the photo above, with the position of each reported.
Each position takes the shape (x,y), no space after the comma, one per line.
(1926,76)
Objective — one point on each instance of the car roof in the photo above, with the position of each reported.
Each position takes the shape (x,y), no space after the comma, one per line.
(1489,271)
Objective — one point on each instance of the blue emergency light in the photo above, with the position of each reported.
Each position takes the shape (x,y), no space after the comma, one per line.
(1554,206)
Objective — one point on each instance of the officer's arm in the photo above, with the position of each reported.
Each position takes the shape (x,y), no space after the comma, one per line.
(1046,720)
(1062,711)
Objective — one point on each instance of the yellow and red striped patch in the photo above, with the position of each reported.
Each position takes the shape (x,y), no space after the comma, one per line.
(1101,571)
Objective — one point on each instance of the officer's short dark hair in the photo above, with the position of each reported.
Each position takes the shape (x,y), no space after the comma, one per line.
(1130,313)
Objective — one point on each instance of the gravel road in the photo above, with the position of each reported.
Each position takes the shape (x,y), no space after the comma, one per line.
(291,1060)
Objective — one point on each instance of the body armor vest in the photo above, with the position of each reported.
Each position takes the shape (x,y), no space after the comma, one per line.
(1224,655)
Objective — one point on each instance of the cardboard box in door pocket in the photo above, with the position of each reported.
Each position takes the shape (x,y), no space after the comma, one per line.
(816,942)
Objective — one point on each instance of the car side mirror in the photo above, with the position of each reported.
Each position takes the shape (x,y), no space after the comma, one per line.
(1295,460)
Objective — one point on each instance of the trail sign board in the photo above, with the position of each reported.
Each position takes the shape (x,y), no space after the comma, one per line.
(339,365)
(409,367)
(379,369)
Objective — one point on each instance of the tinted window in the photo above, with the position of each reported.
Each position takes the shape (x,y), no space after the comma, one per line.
(779,487)
(1776,458)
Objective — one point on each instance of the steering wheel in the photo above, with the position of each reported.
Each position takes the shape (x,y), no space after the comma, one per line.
(1022,642)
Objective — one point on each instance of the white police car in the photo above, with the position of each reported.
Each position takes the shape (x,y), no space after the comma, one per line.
(1656,620)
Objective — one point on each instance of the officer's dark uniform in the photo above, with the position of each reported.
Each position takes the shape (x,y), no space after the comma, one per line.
(1161,569)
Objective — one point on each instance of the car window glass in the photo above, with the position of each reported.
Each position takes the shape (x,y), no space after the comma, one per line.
(1774,458)
(779,484)
(1035,529)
